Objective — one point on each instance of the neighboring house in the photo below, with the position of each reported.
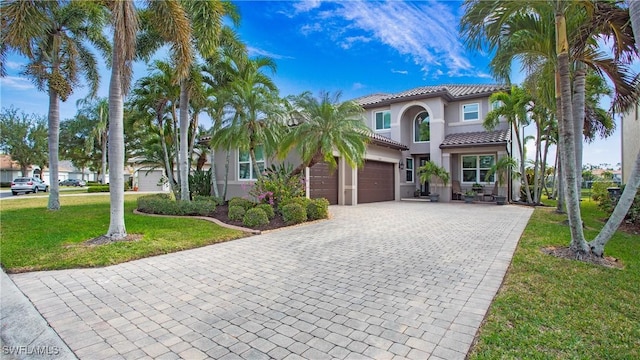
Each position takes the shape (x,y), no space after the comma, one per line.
(439,123)
(630,140)
(10,170)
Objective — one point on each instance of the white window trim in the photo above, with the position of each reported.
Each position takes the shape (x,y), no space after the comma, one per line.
(375,123)
(413,173)
(477,168)
(462,112)
(414,127)
(251,178)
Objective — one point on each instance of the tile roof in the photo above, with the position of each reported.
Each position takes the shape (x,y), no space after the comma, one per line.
(385,141)
(496,137)
(449,91)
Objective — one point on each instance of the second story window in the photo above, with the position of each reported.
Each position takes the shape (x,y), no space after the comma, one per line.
(421,127)
(471,112)
(383,120)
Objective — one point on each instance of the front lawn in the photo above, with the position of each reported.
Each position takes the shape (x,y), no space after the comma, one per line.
(33,238)
(552,308)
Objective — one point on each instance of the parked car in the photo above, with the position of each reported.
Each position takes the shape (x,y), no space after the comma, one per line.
(72,182)
(28,185)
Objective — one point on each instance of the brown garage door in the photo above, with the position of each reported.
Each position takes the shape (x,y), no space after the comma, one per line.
(375,182)
(323,183)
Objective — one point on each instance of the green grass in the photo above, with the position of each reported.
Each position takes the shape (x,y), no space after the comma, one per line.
(33,238)
(552,308)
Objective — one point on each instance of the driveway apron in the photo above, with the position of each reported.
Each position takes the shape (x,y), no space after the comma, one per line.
(376,281)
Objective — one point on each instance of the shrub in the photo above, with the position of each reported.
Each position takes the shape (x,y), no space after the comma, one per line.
(294,214)
(236,212)
(268,210)
(276,185)
(217,200)
(242,202)
(608,203)
(255,217)
(302,201)
(599,190)
(98,188)
(318,209)
(163,204)
(200,183)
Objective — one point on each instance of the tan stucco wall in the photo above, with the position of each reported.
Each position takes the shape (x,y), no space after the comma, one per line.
(630,141)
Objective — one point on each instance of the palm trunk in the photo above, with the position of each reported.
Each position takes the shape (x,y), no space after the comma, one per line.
(254,163)
(536,165)
(522,169)
(579,114)
(176,153)
(214,177)
(619,212)
(226,174)
(104,156)
(183,165)
(117,229)
(193,125)
(54,133)
(567,139)
(168,168)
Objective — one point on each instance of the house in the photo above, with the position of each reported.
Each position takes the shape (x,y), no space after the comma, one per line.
(9,170)
(630,143)
(438,123)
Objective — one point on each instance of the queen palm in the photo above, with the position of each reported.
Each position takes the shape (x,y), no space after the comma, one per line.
(326,124)
(54,36)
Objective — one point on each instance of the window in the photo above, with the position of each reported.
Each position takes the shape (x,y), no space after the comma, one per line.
(409,169)
(383,120)
(421,127)
(471,112)
(496,104)
(245,168)
(475,168)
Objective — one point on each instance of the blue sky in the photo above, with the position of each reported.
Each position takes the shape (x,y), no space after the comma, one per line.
(357,47)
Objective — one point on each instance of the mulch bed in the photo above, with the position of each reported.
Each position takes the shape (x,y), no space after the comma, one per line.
(102,239)
(567,253)
(221,214)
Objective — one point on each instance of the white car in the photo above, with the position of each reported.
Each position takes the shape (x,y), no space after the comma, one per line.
(28,185)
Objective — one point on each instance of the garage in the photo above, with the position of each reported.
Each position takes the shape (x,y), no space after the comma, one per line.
(323,183)
(376,182)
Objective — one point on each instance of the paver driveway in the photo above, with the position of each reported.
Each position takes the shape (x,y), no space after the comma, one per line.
(380,281)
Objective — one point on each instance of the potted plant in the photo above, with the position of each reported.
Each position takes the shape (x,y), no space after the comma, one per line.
(501,169)
(476,187)
(432,170)
(416,193)
(469,196)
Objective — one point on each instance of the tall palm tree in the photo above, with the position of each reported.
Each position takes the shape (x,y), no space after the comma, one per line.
(631,188)
(514,108)
(125,26)
(55,38)
(97,112)
(326,124)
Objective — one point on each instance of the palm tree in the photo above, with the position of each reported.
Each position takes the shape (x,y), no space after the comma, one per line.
(97,112)
(54,36)
(124,22)
(631,188)
(325,125)
(514,107)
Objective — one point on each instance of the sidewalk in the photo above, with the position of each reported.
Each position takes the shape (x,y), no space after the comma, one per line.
(24,334)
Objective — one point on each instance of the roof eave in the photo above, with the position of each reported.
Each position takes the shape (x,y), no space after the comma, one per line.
(444,146)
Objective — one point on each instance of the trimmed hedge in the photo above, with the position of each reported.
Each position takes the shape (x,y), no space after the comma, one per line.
(294,213)
(318,209)
(255,217)
(302,201)
(98,188)
(163,204)
(268,210)
(236,212)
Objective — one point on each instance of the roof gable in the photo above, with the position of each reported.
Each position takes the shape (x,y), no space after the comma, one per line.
(447,91)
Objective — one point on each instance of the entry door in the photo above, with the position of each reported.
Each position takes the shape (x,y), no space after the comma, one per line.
(424,187)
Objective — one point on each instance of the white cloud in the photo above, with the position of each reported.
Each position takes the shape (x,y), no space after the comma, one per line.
(16,83)
(426,32)
(358,86)
(253,51)
(403,72)
(13,65)
(348,42)
(306,5)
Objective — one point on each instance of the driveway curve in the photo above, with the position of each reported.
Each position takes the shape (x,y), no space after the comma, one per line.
(376,281)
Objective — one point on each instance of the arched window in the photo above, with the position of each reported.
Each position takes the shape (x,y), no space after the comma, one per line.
(421,127)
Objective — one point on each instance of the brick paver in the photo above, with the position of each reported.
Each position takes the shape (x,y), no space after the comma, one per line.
(385,280)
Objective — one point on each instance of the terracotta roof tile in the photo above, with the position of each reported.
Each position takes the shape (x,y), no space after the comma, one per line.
(451,91)
(476,138)
(385,141)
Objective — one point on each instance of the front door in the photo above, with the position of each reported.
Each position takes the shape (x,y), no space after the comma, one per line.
(424,187)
